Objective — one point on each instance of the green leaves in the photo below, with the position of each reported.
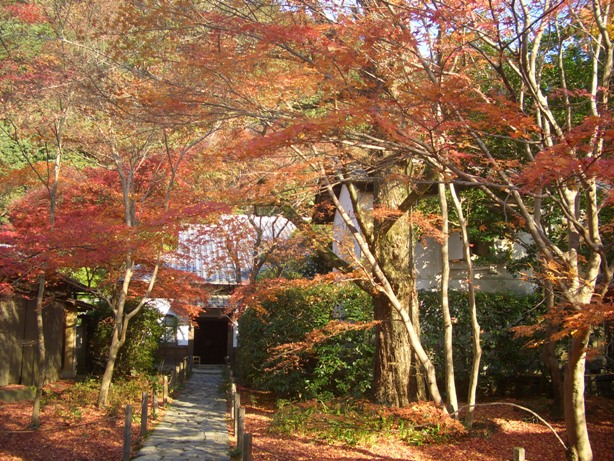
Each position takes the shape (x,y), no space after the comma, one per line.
(503,356)
(340,365)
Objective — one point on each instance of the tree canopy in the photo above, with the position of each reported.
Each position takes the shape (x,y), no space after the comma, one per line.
(274,104)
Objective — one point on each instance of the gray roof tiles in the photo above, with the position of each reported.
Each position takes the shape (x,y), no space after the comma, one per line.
(222,253)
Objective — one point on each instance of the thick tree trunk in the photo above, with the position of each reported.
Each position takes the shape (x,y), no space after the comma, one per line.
(579,447)
(393,368)
(392,364)
(382,284)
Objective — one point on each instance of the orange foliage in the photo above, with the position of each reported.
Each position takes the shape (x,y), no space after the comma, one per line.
(289,355)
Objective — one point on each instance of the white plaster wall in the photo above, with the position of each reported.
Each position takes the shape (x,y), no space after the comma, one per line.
(183,328)
(488,278)
(344,244)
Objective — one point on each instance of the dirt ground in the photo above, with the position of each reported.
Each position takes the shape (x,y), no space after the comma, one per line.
(71,433)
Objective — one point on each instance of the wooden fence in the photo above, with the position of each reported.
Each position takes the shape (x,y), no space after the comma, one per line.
(237,415)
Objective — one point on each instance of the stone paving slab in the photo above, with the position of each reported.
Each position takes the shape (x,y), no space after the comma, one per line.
(194,427)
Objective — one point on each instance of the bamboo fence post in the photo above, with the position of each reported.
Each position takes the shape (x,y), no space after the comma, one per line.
(241,426)
(165,390)
(154,403)
(233,396)
(237,405)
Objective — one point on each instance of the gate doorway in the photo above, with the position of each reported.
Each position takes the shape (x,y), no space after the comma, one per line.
(211,340)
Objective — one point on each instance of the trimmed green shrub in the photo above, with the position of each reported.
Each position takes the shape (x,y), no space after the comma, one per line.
(503,356)
(341,365)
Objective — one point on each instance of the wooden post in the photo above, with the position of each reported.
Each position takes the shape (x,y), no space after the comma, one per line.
(144,405)
(246,448)
(127,433)
(165,390)
(241,426)
(237,405)
(233,396)
(154,404)
(519,454)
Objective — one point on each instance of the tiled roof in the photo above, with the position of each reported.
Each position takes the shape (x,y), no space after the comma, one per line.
(222,253)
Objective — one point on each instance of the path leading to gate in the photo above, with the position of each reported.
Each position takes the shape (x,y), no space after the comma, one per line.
(194,426)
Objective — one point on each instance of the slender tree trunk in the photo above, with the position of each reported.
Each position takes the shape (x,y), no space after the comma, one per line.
(41,372)
(551,361)
(451,398)
(417,385)
(475,326)
(121,321)
(119,334)
(107,377)
(575,413)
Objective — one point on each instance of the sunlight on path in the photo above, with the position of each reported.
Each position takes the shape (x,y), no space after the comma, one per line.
(194,427)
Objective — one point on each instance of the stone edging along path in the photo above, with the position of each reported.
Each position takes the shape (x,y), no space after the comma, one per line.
(194,426)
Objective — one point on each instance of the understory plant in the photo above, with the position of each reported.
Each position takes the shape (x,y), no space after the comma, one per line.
(138,355)
(338,366)
(504,357)
(359,422)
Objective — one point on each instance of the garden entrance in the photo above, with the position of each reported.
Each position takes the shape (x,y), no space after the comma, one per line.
(211,339)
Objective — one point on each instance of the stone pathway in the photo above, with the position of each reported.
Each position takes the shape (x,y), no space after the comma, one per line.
(194,426)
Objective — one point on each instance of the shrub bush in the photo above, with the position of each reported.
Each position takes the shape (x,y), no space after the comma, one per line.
(341,365)
(503,356)
(137,355)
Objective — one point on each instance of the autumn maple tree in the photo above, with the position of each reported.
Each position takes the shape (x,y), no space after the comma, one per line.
(120,214)
(399,99)
(405,95)
(467,90)
(37,95)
